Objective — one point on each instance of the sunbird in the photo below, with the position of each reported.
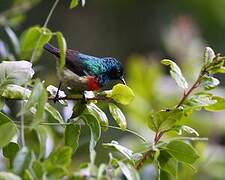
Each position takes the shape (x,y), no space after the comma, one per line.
(88,73)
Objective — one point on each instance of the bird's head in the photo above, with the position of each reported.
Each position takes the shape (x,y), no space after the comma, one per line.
(114,70)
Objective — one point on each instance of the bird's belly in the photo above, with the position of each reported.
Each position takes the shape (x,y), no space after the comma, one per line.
(73,82)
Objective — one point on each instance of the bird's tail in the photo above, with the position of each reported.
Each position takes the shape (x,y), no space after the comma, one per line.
(52,49)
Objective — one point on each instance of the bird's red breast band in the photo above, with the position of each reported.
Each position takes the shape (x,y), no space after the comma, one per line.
(92,83)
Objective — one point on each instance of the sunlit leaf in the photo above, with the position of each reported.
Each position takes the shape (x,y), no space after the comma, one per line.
(6,124)
(128,171)
(99,114)
(62,46)
(208,56)
(123,150)
(15,72)
(209,82)
(54,113)
(200,100)
(218,106)
(34,38)
(182,128)
(182,151)
(118,116)
(176,73)
(73,4)
(12,91)
(164,119)
(121,94)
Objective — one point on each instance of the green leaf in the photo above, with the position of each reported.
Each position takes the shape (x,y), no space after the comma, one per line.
(35,97)
(164,119)
(27,175)
(38,169)
(209,82)
(182,151)
(218,106)
(12,91)
(40,107)
(200,100)
(10,151)
(22,161)
(15,72)
(72,134)
(123,150)
(118,116)
(34,38)
(168,163)
(121,94)
(62,46)
(9,176)
(73,4)
(176,73)
(182,128)
(99,114)
(6,124)
(54,113)
(209,55)
(61,157)
(95,129)
(128,171)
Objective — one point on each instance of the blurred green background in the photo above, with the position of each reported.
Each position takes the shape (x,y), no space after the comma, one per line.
(140,34)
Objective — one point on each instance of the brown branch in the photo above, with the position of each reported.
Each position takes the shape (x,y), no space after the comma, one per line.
(146,156)
(159,135)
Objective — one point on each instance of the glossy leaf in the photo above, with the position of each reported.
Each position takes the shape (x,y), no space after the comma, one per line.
(176,73)
(95,129)
(73,4)
(15,72)
(99,114)
(181,129)
(62,46)
(209,82)
(200,100)
(12,91)
(182,151)
(6,124)
(118,116)
(218,106)
(208,56)
(129,171)
(34,38)
(72,134)
(123,150)
(35,96)
(54,113)
(22,161)
(164,119)
(121,94)
(42,135)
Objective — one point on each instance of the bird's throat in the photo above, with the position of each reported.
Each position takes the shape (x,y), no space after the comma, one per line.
(93,84)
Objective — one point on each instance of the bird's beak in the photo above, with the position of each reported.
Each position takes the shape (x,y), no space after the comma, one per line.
(123,80)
